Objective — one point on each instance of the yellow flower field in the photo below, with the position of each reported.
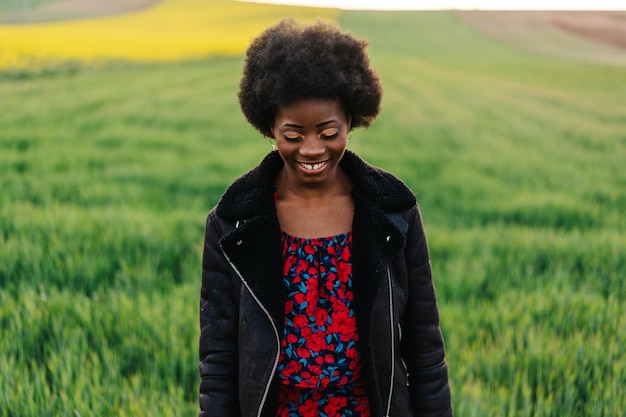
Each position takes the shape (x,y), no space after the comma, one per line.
(170,30)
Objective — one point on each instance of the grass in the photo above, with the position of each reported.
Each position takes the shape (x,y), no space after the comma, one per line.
(107,175)
(515,159)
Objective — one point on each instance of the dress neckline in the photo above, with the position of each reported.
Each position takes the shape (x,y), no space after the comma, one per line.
(338,236)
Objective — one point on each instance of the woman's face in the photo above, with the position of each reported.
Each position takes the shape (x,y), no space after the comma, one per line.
(311,137)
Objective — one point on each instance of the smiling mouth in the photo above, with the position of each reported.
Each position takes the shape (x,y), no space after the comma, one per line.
(313,167)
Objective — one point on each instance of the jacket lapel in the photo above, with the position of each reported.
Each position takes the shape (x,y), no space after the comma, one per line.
(376,241)
(254,248)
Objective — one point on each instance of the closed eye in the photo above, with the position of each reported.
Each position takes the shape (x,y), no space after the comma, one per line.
(292,138)
(330,134)
(326,134)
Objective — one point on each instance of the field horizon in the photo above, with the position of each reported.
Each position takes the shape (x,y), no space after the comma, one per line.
(582,35)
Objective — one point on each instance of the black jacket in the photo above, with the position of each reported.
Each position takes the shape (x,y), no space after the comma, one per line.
(242,299)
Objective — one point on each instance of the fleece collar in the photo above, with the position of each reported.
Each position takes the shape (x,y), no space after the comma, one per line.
(252,194)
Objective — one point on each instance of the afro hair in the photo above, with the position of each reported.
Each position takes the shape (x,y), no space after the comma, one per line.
(290,62)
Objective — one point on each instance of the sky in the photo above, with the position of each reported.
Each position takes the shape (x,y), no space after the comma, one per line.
(462,4)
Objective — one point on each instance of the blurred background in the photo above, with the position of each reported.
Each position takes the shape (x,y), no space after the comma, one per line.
(120,129)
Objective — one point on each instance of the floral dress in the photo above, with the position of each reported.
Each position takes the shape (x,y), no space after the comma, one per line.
(319,366)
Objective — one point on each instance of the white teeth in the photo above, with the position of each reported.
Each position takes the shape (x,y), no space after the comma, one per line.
(313,167)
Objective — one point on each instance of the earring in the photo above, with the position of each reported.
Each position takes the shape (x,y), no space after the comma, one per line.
(272,139)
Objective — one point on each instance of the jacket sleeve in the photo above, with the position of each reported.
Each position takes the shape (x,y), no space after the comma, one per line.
(218,330)
(422,341)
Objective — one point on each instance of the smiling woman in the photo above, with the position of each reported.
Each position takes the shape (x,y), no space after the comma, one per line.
(170,30)
(315,261)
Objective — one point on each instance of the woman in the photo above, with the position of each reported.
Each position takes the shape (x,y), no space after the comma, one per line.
(317,297)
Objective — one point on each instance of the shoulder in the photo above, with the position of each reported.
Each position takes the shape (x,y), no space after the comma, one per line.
(251,193)
(381,188)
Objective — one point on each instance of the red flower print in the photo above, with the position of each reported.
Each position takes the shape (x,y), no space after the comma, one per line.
(335,406)
(315,369)
(299,298)
(303,353)
(309,409)
(340,307)
(345,272)
(321,316)
(310,309)
(306,333)
(343,325)
(318,348)
(300,321)
(319,362)
(352,353)
(294,367)
(284,412)
(362,406)
(311,295)
(316,342)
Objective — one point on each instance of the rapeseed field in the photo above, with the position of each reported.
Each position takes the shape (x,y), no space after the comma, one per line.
(170,30)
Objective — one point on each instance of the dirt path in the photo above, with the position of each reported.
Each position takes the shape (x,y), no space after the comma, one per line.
(75,9)
(609,27)
(598,36)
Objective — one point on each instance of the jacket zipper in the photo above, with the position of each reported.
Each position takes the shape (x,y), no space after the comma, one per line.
(393,343)
(269,382)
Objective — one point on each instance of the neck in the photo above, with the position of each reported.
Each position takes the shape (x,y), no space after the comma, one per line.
(289,189)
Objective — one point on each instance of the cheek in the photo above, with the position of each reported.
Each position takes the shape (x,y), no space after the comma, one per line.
(341,143)
(284,150)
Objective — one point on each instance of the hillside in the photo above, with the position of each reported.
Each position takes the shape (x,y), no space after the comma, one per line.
(590,36)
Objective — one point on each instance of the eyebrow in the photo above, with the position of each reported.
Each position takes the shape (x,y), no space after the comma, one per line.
(317,125)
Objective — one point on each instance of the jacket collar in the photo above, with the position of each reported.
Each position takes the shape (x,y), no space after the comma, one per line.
(252,194)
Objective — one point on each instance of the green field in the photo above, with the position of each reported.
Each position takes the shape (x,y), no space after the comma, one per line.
(517,159)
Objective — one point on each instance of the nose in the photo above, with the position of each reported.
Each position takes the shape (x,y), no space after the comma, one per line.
(312,146)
